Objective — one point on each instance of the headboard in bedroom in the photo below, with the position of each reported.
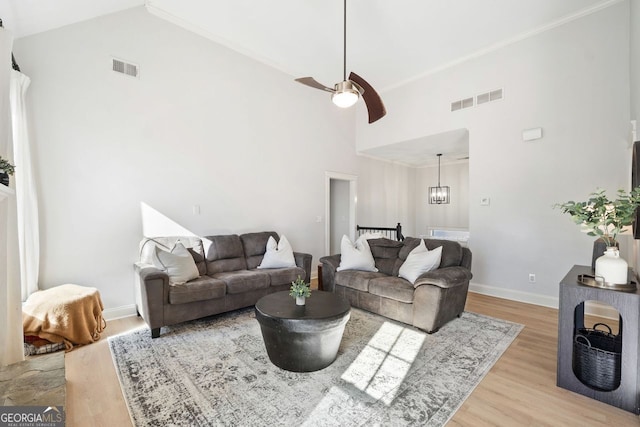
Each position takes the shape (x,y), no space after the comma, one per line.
(393,233)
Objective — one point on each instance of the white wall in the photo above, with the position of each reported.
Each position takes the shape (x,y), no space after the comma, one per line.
(386,195)
(203,125)
(452,215)
(634,51)
(573,81)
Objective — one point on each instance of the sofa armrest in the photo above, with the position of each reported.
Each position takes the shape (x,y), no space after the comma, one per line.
(447,277)
(304,261)
(329,267)
(152,293)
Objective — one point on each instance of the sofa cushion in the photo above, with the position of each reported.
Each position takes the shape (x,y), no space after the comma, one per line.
(200,289)
(278,254)
(192,243)
(394,288)
(254,246)
(355,279)
(243,280)
(225,254)
(177,263)
(420,260)
(451,251)
(385,252)
(284,276)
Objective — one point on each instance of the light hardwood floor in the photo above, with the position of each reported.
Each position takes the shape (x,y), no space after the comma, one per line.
(520,389)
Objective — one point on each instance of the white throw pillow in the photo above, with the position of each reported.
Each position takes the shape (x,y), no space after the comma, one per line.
(278,255)
(420,260)
(178,264)
(356,256)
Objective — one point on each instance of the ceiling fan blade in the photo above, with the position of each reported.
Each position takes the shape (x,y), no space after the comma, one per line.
(310,81)
(374,103)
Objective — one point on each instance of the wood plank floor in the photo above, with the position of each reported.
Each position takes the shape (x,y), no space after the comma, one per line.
(520,390)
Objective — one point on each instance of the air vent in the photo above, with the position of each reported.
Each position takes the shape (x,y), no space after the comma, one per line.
(126,68)
(494,95)
(463,103)
(483,98)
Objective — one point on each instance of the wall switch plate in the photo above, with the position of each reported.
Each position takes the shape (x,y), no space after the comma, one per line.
(196,209)
(532,278)
(318,218)
(485,201)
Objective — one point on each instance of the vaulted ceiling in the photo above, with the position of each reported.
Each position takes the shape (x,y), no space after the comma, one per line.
(389,42)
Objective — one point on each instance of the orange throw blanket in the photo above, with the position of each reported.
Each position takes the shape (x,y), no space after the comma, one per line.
(67,313)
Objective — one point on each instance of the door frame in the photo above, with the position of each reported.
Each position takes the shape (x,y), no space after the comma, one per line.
(353,204)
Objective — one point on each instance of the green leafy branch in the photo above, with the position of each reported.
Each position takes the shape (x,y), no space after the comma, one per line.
(600,216)
(6,166)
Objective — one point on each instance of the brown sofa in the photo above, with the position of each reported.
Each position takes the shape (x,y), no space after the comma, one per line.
(437,296)
(228,280)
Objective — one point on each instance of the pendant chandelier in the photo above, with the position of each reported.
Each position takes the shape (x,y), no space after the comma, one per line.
(441,194)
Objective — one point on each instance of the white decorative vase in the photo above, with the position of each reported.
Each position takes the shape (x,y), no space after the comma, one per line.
(300,300)
(611,267)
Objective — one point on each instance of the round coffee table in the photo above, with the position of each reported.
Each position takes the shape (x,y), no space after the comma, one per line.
(302,338)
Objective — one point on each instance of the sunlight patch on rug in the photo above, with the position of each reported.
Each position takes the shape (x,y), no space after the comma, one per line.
(380,368)
(216,371)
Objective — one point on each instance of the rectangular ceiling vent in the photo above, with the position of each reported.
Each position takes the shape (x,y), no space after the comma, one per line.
(483,98)
(122,67)
(494,95)
(463,103)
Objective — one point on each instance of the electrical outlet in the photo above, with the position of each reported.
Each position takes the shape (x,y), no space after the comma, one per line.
(532,278)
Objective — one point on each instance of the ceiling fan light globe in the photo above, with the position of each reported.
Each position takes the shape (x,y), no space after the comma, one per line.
(345,95)
(345,99)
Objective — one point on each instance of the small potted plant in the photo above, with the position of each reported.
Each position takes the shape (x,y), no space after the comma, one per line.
(6,169)
(300,290)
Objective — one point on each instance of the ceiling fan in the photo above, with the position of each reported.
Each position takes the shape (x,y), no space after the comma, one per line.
(347,92)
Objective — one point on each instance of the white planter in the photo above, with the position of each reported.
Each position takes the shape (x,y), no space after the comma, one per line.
(611,267)
(300,300)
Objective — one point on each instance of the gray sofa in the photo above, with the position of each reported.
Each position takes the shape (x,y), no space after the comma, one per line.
(437,296)
(228,278)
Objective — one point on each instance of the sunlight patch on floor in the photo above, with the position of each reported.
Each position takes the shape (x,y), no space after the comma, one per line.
(382,365)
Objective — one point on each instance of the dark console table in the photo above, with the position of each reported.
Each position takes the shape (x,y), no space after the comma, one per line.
(302,338)
(571,317)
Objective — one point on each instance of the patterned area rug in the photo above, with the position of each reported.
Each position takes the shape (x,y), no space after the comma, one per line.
(216,371)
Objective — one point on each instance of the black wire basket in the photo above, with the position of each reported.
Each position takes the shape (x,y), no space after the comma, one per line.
(597,357)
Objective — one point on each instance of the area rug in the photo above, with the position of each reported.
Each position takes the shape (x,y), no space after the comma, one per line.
(215,371)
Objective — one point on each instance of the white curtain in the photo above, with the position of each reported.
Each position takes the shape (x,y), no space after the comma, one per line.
(26,196)
(11,348)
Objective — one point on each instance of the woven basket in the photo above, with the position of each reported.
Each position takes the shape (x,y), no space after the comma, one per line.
(597,358)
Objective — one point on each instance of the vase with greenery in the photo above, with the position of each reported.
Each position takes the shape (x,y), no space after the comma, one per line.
(606,218)
(6,169)
(300,290)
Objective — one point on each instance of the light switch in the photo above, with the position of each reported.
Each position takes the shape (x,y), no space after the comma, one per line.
(485,201)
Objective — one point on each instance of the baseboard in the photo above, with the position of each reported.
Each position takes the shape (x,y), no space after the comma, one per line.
(119,312)
(592,308)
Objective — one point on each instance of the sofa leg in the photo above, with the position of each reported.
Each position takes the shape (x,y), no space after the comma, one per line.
(137,313)
(433,332)
(155,332)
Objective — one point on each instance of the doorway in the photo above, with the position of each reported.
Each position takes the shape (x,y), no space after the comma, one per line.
(340,209)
